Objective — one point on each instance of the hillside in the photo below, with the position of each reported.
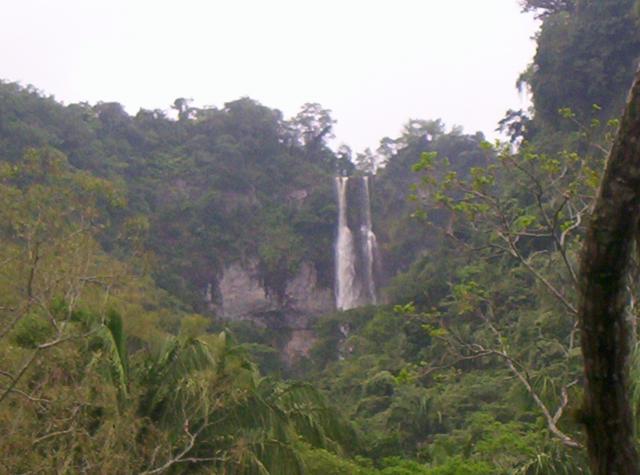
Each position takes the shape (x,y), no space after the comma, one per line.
(172,297)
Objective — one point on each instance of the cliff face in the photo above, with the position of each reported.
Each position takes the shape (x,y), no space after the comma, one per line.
(242,296)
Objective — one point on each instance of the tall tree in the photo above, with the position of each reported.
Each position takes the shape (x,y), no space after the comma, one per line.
(584,57)
(607,332)
(543,8)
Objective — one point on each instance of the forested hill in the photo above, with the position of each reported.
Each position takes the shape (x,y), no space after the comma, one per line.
(237,184)
(212,187)
(167,280)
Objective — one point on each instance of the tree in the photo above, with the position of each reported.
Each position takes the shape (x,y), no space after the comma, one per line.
(607,331)
(51,216)
(532,207)
(520,216)
(183,107)
(62,355)
(544,8)
(312,125)
(310,129)
(367,162)
(584,57)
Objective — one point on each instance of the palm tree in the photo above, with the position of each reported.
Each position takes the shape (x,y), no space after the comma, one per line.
(221,413)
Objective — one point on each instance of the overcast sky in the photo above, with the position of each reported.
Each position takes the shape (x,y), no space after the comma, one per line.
(374,63)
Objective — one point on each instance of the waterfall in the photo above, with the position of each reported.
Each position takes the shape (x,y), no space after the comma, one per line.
(369,242)
(346,294)
(355,255)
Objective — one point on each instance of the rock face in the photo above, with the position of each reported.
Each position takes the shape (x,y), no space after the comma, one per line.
(304,295)
(241,296)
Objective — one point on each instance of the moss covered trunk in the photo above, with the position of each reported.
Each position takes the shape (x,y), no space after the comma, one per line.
(607,337)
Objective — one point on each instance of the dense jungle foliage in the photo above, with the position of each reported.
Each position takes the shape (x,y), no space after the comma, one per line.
(112,227)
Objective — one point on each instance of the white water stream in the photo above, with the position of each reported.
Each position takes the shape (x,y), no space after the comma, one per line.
(346,294)
(355,280)
(369,242)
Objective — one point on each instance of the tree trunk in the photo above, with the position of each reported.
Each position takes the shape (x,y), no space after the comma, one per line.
(607,336)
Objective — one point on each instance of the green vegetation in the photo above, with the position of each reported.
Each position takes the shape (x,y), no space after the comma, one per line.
(115,227)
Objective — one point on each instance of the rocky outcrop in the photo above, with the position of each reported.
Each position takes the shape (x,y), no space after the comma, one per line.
(303,293)
(242,295)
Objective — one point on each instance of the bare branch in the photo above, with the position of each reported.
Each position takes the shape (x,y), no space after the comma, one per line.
(181,456)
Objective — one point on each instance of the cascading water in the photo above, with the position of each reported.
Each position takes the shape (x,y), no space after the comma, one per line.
(355,254)
(369,242)
(346,294)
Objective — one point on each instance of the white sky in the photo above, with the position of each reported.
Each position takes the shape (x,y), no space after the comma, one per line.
(374,63)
